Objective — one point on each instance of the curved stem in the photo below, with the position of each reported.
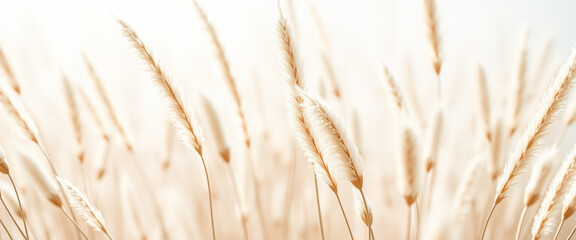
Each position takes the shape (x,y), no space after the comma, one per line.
(209,196)
(318,207)
(4,226)
(488,220)
(559,228)
(344,214)
(12,217)
(522,216)
(75,223)
(366,207)
(571,233)
(19,205)
(256,192)
(239,201)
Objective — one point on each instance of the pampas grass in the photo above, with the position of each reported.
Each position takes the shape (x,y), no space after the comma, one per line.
(344,129)
(522,157)
(182,119)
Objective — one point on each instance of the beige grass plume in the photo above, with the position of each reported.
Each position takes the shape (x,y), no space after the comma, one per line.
(520,78)
(105,98)
(550,210)
(73,107)
(433,35)
(4,63)
(552,102)
(19,116)
(181,117)
(409,165)
(395,92)
(217,128)
(484,97)
(185,123)
(538,179)
(335,140)
(434,141)
(84,208)
(536,185)
(45,181)
(227,71)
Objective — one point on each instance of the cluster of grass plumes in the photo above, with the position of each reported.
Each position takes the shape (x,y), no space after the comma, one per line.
(298,157)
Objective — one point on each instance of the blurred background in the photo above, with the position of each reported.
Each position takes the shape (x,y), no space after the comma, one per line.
(43,40)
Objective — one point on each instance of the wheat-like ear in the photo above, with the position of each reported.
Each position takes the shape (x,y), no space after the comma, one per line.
(433,35)
(546,219)
(181,117)
(217,129)
(434,142)
(19,116)
(83,207)
(410,171)
(13,82)
(553,101)
(227,71)
(467,189)
(484,98)
(45,181)
(72,102)
(335,139)
(105,98)
(394,90)
(539,178)
(521,158)
(520,85)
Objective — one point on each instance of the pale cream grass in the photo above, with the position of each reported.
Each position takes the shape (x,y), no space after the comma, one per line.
(45,181)
(331,74)
(106,99)
(550,210)
(84,208)
(434,140)
(217,128)
(539,177)
(186,124)
(467,190)
(521,158)
(73,109)
(8,70)
(433,35)
(334,139)
(520,85)
(496,148)
(484,95)
(19,116)
(227,71)
(394,91)
(409,166)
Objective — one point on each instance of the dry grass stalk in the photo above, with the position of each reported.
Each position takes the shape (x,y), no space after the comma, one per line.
(227,71)
(84,208)
(106,100)
(394,90)
(552,102)
(484,100)
(435,140)
(537,183)
(217,128)
(13,82)
(410,176)
(331,74)
(551,207)
(338,144)
(520,85)
(73,108)
(186,125)
(18,116)
(467,190)
(5,169)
